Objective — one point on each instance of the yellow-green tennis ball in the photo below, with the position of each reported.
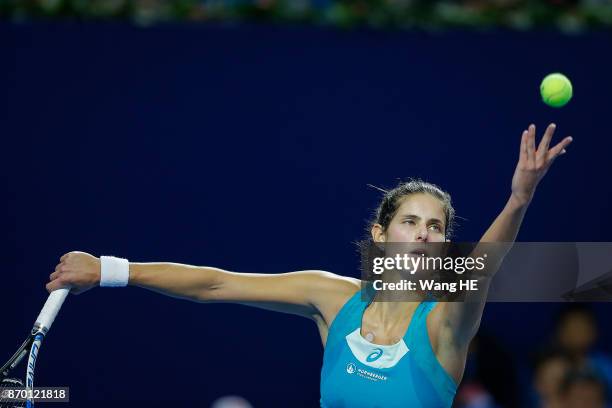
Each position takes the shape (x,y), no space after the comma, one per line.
(556,90)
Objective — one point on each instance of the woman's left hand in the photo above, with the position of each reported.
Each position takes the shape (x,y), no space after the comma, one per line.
(533,164)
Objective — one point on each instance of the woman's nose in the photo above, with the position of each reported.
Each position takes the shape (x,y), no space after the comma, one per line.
(421,235)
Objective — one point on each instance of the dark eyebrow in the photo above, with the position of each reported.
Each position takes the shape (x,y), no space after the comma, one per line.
(434,220)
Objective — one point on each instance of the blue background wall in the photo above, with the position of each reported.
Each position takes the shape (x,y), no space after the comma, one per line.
(250,148)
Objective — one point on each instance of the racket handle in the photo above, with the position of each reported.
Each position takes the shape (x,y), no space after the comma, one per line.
(50,309)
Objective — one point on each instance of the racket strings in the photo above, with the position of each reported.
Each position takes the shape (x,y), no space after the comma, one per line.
(10,383)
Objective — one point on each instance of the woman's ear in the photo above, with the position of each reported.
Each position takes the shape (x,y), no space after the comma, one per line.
(378,234)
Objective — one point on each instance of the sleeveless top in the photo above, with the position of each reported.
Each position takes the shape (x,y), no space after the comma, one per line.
(357,373)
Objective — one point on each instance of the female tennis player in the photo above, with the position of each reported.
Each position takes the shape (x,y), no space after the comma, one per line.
(377,354)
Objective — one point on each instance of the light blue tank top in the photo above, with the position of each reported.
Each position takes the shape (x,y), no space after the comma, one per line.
(357,373)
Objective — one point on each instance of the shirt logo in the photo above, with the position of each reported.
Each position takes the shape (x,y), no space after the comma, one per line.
(374,355)
(351,368)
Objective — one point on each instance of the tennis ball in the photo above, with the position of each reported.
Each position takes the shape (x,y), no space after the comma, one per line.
(556,90)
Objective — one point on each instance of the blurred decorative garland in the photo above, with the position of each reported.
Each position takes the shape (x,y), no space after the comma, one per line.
(566,15)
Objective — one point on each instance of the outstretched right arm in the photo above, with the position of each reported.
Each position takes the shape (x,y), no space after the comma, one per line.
(304,293)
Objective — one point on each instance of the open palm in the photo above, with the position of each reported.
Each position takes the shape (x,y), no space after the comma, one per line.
(533,164)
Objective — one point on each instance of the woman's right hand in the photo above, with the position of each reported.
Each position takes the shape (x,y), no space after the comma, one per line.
(79,271)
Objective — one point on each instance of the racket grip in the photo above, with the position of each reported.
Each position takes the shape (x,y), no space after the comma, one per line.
(50,309)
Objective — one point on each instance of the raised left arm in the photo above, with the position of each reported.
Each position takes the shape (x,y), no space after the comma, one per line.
(463,318)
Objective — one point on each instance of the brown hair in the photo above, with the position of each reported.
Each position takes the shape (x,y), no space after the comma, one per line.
(392,200)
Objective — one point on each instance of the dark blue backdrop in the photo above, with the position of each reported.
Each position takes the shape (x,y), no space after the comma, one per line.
(212,145)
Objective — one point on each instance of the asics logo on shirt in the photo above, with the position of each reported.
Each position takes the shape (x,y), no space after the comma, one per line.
(374,355)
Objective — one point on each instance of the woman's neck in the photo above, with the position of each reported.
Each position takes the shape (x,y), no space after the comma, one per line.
(402,295)
(389,313)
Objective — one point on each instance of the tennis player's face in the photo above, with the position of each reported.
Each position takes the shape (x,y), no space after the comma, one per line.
(420,218)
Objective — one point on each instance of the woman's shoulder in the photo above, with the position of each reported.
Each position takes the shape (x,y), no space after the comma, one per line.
(338,284)
(333,292)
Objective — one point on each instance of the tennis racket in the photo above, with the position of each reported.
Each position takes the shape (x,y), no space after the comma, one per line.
(31,347)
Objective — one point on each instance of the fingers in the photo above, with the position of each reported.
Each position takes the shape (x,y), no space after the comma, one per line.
(531,153)
(545,142)
(57,279)
(523,152)
(543,155)
(57,283)
(560,148)
(69,255)
(59,268)
(76,270)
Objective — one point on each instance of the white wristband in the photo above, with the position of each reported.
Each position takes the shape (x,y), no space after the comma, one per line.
(114,271)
